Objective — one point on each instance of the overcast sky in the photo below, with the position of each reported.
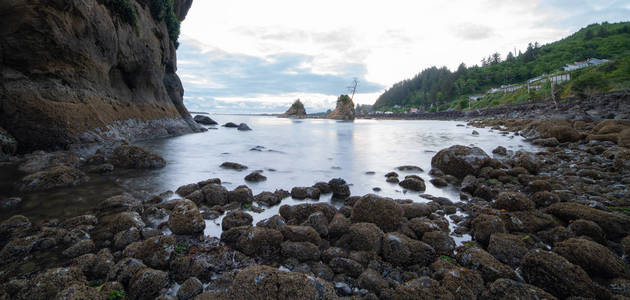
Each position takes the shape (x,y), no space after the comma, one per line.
(259,56)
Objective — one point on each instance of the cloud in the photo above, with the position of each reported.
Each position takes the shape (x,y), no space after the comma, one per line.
(223,79)
(244,49)
(471,31)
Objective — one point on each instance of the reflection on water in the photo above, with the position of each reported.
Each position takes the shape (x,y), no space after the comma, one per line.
(290,153)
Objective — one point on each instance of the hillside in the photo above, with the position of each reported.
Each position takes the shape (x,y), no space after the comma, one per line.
(438,86)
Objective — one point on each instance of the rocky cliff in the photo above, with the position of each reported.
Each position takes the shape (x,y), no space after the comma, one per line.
(296,110)
(344,109)
(75,72)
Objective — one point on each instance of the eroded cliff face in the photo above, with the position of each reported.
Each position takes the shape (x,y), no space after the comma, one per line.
(72,72)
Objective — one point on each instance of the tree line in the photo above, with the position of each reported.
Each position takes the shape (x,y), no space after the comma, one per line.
(435,86)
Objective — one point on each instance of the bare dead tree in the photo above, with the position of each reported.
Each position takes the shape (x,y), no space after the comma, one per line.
(353,88)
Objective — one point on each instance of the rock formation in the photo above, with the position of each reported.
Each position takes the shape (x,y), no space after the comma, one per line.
(78,72)
(344,109)
(296,111)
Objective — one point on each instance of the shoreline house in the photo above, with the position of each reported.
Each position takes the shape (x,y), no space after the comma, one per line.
(583,64)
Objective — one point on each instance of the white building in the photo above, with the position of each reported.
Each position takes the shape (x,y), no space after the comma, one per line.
(584,64)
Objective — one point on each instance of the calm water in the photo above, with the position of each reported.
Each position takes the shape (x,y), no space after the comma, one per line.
(293,153)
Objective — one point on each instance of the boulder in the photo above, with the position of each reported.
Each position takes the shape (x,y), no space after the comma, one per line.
(548,142)
(296,233)
(544,198)
(530,221)
(147,284)
(230,125)
(559,130)
(243,127)
(49,283)
(186,219)
(338,226)
(414,183)
(297,214)
(267,198)
(615,225)
(423,288)
(460,161)
(134,157)
(372,281)
(588,228)
(80,248)
(187,189)
(235,219)
(54,177)
(557,276)
(513,201)
(507,248)
(484,226)
(400,250)
(339,188)
(390,214)
(323,187)
(242,194)
(440,241)
(233,166)
(205,120)
(477,259)
(215,194)
(264,242)
(255,177)
(119,203)
(346,266)
(595,259)
(263,282)
(365,237)
(319,222)
(416,210)
(302,251)
(508,289)
(124,269)
(190,288)
(156,251)
(305,192)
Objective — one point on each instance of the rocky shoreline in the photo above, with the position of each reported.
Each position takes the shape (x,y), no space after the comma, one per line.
(614,105)
(548,225)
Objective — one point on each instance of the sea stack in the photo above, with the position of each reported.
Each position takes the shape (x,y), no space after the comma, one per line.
(344,109)
(296,111)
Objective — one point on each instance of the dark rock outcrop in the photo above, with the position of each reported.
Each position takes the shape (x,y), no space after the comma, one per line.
(205,120)
(77,72)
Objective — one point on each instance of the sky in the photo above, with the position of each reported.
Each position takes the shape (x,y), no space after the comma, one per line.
(243,56)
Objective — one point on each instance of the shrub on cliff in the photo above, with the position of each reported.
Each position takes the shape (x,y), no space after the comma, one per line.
(125,9)
(163,10)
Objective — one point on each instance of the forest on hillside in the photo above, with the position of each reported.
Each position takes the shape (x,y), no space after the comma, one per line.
(436,86)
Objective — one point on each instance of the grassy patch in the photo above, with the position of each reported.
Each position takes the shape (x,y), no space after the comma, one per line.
(182,248)
(448,259)
(116,295)
(625,210)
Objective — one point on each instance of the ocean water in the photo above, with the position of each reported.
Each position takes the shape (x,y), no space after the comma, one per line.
(290,153)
